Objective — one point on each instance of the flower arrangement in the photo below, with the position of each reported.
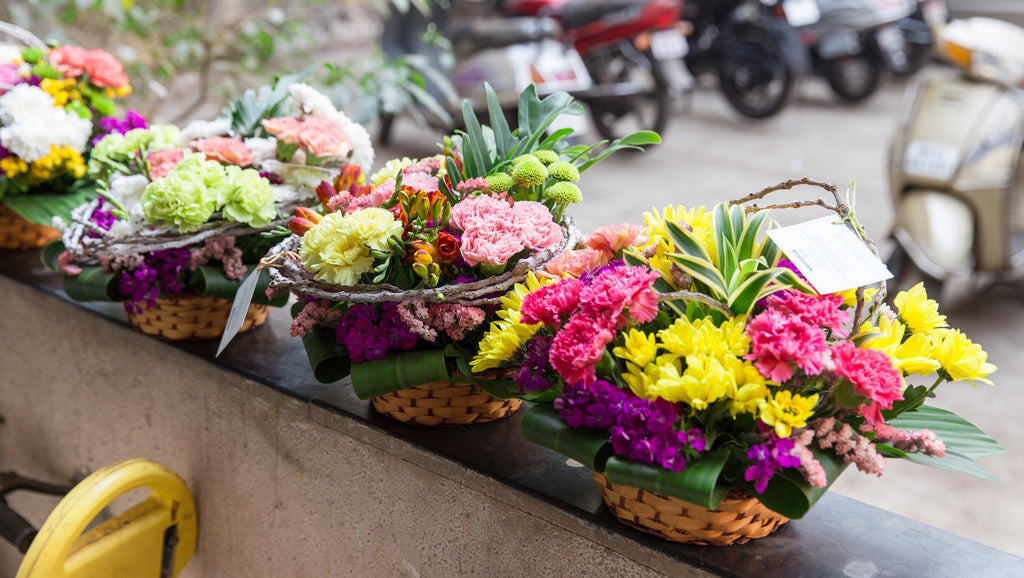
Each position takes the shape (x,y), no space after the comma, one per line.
(699,360)
(55,103)
(399,273)
(183,212)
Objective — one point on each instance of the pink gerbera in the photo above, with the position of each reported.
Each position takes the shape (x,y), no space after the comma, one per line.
(778,342)
(872,375)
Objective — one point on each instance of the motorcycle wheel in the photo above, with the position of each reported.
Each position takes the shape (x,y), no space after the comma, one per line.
(754,77)
(917,56)
(617,116)
(854,78)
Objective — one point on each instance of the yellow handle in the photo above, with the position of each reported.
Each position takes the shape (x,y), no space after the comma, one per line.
(131,544)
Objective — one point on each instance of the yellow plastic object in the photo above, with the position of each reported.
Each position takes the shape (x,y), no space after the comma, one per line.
(131,544)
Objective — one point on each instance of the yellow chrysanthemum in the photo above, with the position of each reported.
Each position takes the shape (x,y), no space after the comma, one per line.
(700,220)
(638,348)
(915,356)
(704,382)
(917,311)
(888,334)
(502,341)
(749,398)
(685,337)
(850,296)
(390,170)
(786,411)
(960,357)
(642,379)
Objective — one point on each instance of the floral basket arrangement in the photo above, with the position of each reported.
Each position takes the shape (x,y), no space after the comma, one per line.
(398,278)
(713,392)
(56,102)
(185,214)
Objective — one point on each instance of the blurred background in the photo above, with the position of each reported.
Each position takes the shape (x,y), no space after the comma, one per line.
(912,111)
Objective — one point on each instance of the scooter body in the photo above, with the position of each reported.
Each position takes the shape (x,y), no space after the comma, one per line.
(957,175)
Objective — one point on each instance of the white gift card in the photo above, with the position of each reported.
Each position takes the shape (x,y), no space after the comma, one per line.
(830,255)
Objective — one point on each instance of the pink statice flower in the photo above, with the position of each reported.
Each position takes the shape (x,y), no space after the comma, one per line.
(810,467)
(821,310)
(919,441)
(872,375)
(614,238)
(323,138)
(848,444)
(428,319)
(576,262)
(161,162)
(315,312)
(621,289)
(778,342)
(578,347)
(224,149)
(552,303)
(535,226)
(223,250)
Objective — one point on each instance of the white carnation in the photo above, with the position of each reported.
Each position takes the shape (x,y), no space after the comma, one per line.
(203,129)
(33,124)
(24,101)
(359,138)
(126,190)
(289,195)
(308,101)
(262,149)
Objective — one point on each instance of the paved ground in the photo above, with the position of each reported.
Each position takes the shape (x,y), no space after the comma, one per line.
(710,154)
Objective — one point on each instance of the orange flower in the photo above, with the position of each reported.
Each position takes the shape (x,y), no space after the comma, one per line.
(224,149)
(447,247)
(284,129)
(104,70)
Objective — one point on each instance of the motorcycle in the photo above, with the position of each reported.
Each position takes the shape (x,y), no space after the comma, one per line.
(630,48)
(507,53)
(956,170)
(756,54)
(908,42)
(851,41)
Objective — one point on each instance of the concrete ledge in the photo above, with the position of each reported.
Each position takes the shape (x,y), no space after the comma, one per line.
(294,478)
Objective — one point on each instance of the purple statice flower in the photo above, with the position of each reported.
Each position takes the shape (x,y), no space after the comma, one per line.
(111,124)
(597,405)
(159,272)
(369,333)
(4,153)
(272,178)
(531,372)
(769,457)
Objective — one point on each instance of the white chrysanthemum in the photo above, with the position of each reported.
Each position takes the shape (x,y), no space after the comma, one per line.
(24,101)
(202,129)
(33,124)
(127,190)
(262,149)
(289,195)
(308,101)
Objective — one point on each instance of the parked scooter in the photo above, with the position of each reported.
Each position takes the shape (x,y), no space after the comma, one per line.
(956,170)
(907,44)
(507,53)
(750,46)
(632,51)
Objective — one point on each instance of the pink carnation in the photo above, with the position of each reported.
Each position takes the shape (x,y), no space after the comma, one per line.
(490,239)
(161,162)
(284,129)
(69,60)
(104,70)
(578,347)
(551,303)
(621,289)
(576,262)
(535,226)
(823,310)
(779,341)
(472,186)
(420,182)
(9,75)
(614,238)
(872,375)
(323,138)
(224,149)
(468,213)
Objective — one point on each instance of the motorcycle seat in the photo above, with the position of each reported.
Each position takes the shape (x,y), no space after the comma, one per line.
(479,34)
(582,12)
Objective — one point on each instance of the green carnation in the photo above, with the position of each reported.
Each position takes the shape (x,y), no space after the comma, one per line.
(564,193)
(564,171)
(118,149)
(499,183)
(246,197)
(545,156)
(181,198)
(529,172)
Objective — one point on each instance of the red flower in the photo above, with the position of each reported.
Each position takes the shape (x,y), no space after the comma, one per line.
(447,247)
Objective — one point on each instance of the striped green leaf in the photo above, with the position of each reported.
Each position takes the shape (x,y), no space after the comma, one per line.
(698,483)
(957,433)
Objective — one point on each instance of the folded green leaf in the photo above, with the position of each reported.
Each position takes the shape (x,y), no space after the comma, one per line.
(958,434)
(541,425)
(51,254)
(698,483)
(328,358)
(93,284)
(41,209)
(789,494)
(399,371)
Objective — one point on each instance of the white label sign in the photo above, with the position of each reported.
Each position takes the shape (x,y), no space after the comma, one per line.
(933,160)
(830,255)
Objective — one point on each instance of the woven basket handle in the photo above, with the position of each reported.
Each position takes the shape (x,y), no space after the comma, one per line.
(21,35)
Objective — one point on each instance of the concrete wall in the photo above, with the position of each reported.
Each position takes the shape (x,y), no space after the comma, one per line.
(282,488)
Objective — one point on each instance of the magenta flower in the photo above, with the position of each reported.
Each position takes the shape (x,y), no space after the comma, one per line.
(821,310)
(578,347)
(552,303)
(872,375)
(778,342)
(619,289)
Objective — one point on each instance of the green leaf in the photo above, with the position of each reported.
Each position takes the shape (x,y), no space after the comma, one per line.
(399,371)
(41,209)
(745,247)
(959,435)
(92,284)
(328,358)
(246,111)
(503,140)
(686,242)
(640,138)
(627,142)
(51,253)
(952,462)
(704,272)
(789,494)
(698,483)
(754,288)
(541,425)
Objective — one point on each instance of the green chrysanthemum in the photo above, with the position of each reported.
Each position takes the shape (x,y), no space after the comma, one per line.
(181,198)
(546,156)
(564,171)
(564,193)
(499,183)
(246,197)
(529,172)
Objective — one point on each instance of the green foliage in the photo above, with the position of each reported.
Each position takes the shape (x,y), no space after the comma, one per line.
(42,208)
(541,425)
(399,370)
(268,101)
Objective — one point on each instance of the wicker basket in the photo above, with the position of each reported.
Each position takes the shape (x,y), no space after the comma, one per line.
(737,519)
(443,403)
(186,317)
(19,233)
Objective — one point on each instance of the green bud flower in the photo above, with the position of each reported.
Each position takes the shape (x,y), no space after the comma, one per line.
(529,172)
(545,156)
(564,171)
(564,193)
(499,182)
